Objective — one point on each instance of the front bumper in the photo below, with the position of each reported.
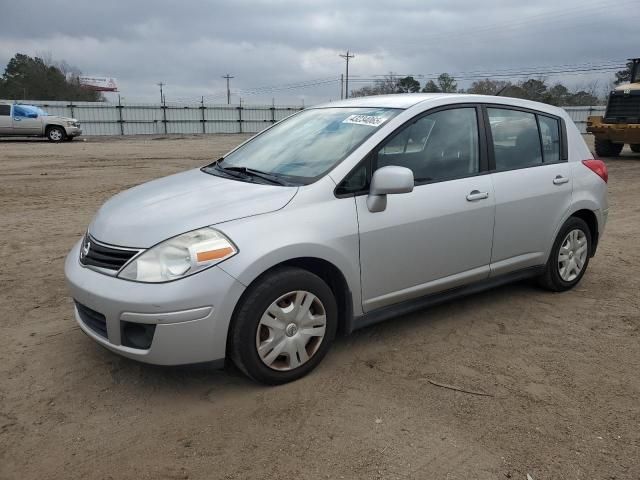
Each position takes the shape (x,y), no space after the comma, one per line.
(73,131)
(191,315)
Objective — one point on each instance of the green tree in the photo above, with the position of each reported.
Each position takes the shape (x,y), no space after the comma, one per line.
(488,87)
(431,87)
(33,78)
(447,83)
(581,99)
(534,89)
(383,86)
(408,85)
(557,95)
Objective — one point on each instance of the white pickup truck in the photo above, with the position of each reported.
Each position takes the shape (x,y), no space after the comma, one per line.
(31,121)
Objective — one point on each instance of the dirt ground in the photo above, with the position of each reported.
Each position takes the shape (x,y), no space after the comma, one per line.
(562,369)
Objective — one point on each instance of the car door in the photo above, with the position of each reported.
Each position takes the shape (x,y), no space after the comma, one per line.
(439,235)
(5,119)
(24,122)
(532,184)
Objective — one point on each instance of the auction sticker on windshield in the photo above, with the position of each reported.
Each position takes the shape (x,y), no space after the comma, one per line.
(370,120)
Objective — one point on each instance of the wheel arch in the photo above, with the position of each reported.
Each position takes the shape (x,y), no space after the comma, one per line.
(591,220)
(49,126)
(324,269)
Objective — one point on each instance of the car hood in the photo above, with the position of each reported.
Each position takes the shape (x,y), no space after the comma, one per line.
(152,212)
(57,118)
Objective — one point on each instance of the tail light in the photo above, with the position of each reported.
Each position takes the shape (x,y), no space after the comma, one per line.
(598,167)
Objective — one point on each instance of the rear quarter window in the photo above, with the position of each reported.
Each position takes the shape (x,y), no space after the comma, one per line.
(550,136)
(5,110)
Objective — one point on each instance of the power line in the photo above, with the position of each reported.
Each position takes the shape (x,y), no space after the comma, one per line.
(289,86)
(513,73)
(496,71)
(346,56)
(505,73)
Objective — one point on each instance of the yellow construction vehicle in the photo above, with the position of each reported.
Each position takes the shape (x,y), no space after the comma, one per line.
(621,121)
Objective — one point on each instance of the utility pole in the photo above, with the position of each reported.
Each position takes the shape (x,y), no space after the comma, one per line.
(163,107)
(341,86)
(346,77)
(161,95)
(228,77)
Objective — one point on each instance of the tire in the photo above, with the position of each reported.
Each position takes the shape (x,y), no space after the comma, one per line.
(56,134)
(555,277)
(273,365)
(635,147)
(606,148)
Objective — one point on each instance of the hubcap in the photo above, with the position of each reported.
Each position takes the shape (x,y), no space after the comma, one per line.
(55,134)
(291,330)
(572,255)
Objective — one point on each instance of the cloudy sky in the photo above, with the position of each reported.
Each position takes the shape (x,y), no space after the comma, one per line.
(289,49)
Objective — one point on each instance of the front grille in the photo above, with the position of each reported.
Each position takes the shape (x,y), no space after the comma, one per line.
(92,319)
(623,108)
(104,256)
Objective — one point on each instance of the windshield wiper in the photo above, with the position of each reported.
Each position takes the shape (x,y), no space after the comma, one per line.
(230,173)
(270,177)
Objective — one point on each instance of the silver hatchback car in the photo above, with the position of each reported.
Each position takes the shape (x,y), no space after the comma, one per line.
(333,219)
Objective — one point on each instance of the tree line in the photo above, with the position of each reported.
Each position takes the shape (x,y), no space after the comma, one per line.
(40,78)
(536,89)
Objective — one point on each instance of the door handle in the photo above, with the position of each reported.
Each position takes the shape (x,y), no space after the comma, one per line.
(477,195)
(16,119)
(559,180)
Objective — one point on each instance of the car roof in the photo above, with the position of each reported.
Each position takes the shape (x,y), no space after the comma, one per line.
(398,100)
(408,100)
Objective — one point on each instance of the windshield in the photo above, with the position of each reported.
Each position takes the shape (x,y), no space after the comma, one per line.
(305,146)
(24,110)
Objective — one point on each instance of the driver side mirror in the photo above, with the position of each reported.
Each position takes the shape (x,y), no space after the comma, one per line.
(388,181)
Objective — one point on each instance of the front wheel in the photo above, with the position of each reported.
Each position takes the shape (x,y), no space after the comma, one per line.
(283,326)
(569,256)
(56,134)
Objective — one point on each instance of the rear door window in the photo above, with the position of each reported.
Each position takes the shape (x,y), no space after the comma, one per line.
(516,141)
(5,110)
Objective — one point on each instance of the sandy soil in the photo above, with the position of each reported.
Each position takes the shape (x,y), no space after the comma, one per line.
(562,369)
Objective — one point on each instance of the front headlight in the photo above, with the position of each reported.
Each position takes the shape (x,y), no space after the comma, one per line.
(180,256)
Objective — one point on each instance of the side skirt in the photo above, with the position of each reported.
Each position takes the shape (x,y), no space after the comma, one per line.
(409,306)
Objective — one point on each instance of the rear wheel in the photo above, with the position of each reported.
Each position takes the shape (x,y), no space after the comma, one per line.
(56,134)
(635,147)
(606,148)
(569,256)
(284,326)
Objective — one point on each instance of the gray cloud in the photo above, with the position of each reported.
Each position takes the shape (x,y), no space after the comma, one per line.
(190,44)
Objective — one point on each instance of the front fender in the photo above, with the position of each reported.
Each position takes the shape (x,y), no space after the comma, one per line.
(323,230)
